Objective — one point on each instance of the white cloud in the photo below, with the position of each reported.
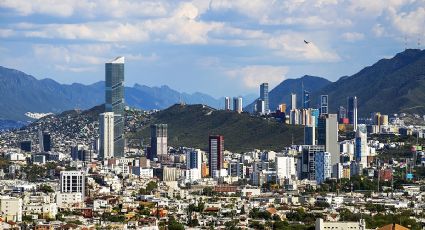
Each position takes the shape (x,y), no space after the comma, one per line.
(292,46)
(87,8)
(352,36)
(4,33)
(252,76)
(410,23)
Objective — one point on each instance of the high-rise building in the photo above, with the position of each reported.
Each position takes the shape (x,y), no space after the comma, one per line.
(264,95)
(72,182)
(310,135)
(327,135)
(352,111)
(106,131)
(307,165)
(293,101)
(306,99)
(260,107)
(324,100)
(45,142)
(237,104)
(159,135)
(216,154)
(361,148)
(114,100)
(194,159)
(342,113)
(227,103)
(323,166)
(26,146)
(285,167)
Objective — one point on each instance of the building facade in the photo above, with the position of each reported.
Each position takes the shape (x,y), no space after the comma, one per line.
(114,100)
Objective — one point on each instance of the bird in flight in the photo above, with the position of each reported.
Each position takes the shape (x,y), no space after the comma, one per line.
(306,42)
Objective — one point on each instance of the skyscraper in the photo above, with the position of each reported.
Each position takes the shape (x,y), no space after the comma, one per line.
(293,101)
(216,154)
(324,104)
(323,166)
(310,135)
(159,135)
(45,143)
(285,167)
(264,95)
(194,160)
(342,113)
(114,100)
(352,111)
(361,149)
(106,126)
(260,107)
(227,103)
(306,99)
(327,135)
(237,104)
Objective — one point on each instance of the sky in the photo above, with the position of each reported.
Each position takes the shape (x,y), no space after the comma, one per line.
(218,47)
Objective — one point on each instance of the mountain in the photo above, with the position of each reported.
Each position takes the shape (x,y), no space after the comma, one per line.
(190,125)
(389,86)
(282,93)
(21,93)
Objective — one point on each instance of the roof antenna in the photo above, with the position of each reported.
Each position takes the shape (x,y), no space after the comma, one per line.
(405,42)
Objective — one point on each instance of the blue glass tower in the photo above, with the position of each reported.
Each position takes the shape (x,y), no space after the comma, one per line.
(114,100)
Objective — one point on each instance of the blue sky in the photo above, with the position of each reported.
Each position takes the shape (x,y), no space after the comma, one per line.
(219,47)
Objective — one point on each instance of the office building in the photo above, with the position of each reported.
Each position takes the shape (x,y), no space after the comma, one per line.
(114,101)
(159,135)
(361,148)
(323,166)
(45,141)
(72,182)
(282,108)
(194,159)
(352,111)
(310,135)
(26,146)
(324,100)
(293,101)
(216,154)
(307,165)
(342,113)
(306,99)
(264,95)
(227,103)
(106,128)
(260,107)
(237,104)
(327,135)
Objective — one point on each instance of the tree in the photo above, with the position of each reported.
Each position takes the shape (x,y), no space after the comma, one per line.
(46,188)
(174,225)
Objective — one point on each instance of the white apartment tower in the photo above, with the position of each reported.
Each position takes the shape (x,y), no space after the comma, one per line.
(106,126)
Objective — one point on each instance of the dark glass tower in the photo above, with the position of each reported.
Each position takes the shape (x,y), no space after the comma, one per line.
(352,111)
(114,74)
(264,95)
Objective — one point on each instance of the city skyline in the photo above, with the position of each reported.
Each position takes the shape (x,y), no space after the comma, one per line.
(205,42)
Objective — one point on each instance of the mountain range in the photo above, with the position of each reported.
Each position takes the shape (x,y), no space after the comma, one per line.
(389,86)
(21,93)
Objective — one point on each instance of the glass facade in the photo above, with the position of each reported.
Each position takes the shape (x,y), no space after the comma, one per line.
(114,83)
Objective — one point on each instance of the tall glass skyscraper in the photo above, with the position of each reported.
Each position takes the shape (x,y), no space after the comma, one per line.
(352,111)
(114,101)
(264,95)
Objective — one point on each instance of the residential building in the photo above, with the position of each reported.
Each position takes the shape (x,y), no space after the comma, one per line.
(107,142)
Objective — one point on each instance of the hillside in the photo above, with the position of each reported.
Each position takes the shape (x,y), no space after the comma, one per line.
(190,125)
(388,86)
(21,93)
(282,93)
